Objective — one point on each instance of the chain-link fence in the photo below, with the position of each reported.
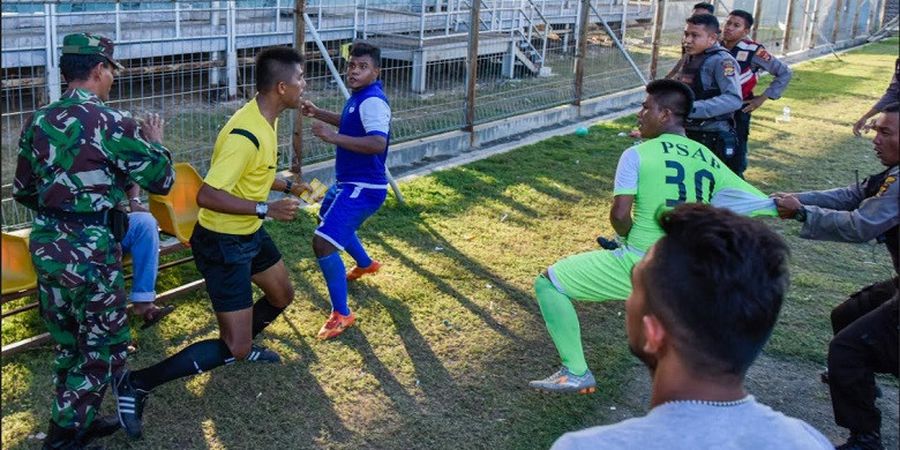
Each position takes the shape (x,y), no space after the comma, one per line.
(192,61)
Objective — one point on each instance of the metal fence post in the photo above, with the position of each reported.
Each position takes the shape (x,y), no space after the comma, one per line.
(365,32)
(757,12)
(472,72)
(319,16)
(813,32)
(231,57)
(52,67)
(297,132)
(805,24)
(580,50)
(837,21)
(854,29)
(447,21)
(657,35)
(215,18)
(355,18)
(177,19)
(622,24)
(118,21)
(788,23)
(870,19)
(493,16)
(422,26)
(879,14)
(278,16)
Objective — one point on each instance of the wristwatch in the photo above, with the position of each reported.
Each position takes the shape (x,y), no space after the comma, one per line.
(262,208)
(288,186)
(800,215)
(135,200)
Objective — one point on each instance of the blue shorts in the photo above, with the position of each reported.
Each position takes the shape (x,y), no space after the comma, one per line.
(344,209)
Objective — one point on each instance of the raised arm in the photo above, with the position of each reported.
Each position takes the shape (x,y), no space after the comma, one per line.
(309,109)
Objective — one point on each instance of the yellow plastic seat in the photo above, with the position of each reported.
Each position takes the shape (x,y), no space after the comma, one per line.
(18,271)
(177,211)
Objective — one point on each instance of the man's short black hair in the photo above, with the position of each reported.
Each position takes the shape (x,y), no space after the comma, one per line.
(274,65)
(78,67)
(366,49)
(710,22)
(716,281)
(748,18)
(707,6)
(672,95)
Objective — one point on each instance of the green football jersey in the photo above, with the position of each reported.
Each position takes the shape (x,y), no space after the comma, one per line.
(672,169)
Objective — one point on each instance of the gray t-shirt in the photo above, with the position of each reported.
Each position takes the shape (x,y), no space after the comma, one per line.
(683,425)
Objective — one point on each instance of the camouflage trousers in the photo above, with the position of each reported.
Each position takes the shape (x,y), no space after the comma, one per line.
(82,298)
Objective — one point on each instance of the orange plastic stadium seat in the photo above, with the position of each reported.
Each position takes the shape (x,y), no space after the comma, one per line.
(177,211)
(18,272)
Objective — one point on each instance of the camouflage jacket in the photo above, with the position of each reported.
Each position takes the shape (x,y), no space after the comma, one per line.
(77,155)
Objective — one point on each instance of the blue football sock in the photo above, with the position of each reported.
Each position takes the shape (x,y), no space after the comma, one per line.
(355,249)
(336,278)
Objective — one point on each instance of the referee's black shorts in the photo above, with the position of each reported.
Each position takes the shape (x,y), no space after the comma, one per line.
(227,261)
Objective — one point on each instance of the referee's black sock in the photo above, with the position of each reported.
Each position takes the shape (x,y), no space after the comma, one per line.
(264,313)
(196,358)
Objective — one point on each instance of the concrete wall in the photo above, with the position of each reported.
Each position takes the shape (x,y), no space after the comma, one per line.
(408,155)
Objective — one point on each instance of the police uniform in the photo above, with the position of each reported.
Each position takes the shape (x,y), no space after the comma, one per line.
(892,93)
(76,156)
(865,325)
(712,75)
(752,57)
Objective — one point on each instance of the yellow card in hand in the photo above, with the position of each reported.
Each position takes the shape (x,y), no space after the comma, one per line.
(317,192)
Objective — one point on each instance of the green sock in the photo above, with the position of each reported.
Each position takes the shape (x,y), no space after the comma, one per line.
(562,323)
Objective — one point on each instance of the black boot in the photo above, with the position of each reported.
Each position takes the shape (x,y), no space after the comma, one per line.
(59,438)
(100,427)
(862,441)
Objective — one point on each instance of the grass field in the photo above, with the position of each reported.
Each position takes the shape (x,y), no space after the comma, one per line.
(449,332)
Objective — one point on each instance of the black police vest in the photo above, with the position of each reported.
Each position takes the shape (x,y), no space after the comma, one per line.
(871,187)
(897,69)
(745,48)
(690,75)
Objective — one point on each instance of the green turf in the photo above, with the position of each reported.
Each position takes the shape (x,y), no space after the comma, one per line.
(449,333)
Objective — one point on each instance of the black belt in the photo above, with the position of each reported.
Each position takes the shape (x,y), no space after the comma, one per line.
(100,218)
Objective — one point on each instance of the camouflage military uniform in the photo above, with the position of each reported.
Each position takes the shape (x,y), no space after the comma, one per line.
(76,156)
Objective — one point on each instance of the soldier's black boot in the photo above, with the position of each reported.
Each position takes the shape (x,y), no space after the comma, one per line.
(59,438)
(100,427)
(862,441)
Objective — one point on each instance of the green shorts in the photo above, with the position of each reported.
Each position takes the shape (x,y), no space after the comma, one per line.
(596,275)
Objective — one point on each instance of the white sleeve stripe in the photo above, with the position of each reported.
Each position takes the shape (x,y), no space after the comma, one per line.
(375,115)
(627,170)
